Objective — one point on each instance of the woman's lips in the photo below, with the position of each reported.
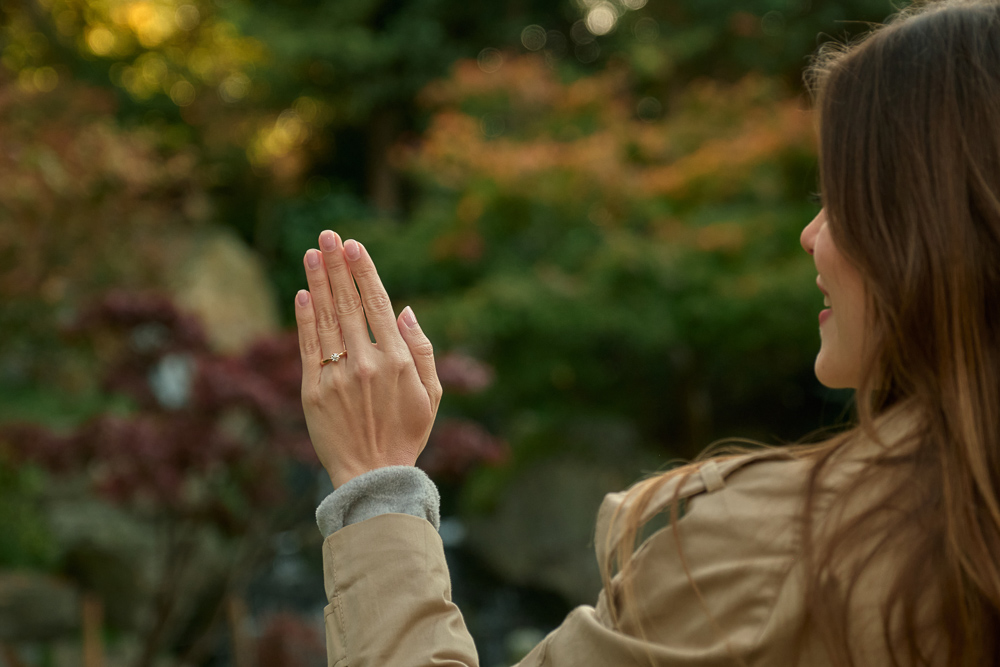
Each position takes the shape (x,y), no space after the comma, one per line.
(826,302)
(820,286)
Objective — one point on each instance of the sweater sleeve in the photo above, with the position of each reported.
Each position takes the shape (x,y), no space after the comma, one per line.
(390,490)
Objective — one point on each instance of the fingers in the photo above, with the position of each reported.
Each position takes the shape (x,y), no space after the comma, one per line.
(309,344)
(378,308)
(348,263)
(422,352)
(327,324)
(350,311)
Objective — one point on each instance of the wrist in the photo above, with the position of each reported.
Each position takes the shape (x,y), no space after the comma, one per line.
(343,474)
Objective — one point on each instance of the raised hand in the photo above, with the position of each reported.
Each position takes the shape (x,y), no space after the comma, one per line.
(373,406)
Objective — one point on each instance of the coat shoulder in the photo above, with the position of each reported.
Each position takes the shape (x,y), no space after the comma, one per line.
(762,488)
(710,583)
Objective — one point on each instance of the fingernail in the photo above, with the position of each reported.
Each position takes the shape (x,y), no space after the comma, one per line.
(302,297)
(409,319)
(327,241)
(312,259)
(352,249)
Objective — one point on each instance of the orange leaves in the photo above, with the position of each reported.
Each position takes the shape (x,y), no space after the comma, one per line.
(760,138)
(560,141)
(86,201)
(521,79)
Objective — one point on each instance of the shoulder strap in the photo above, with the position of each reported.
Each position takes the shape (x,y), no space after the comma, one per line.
(705,476)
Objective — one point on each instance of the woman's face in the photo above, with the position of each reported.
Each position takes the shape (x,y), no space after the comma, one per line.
(842,324)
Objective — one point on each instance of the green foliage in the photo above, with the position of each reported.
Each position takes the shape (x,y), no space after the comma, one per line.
(42,404)
(24,541)
(679,41)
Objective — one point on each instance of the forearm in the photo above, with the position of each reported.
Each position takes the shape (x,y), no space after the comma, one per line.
(386,578)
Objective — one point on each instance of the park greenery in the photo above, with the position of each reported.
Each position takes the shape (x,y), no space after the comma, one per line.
(593,207)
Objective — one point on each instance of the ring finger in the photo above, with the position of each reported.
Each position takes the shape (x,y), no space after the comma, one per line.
(330,337)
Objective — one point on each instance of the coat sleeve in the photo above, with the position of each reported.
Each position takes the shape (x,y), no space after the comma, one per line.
(389,596)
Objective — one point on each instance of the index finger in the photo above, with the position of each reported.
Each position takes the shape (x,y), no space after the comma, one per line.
(378,307)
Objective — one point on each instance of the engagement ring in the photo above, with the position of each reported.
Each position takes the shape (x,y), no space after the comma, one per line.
(334,358)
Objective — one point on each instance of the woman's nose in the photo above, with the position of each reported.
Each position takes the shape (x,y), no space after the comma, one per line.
(808,236)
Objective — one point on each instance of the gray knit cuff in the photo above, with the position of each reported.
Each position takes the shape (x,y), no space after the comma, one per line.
(391,490)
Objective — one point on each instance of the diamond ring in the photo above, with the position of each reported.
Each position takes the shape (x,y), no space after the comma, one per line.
(334,358)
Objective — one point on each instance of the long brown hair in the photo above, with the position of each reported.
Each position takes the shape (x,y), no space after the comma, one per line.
(909,119)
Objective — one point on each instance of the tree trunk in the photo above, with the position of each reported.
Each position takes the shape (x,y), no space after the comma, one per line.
(92,611)
(383,180)
(242,643)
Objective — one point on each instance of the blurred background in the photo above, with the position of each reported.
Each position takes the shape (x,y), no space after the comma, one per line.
(593,207)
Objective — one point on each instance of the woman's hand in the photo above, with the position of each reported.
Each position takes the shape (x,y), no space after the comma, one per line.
(375,406)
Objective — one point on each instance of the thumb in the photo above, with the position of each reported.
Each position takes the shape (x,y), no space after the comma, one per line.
(422,352)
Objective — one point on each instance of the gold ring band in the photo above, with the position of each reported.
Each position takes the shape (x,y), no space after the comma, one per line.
(334,358)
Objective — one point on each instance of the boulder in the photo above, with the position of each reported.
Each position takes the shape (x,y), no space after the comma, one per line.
(121,558)
(108,551)
(36,607)
(542,531)
(222,281)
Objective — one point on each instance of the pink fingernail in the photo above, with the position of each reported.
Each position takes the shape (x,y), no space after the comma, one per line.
(312,259)
(409,319)
(352,249)
(302,297)
(327,241)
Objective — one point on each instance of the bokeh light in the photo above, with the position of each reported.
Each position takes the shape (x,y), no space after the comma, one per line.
(182,93)
(772,23)
(187,17)
(601,18)
(649,108)
(533,37)
(580,34)
(646,29)
(492,125)
(490,60)
(101,40)
(556,44)
(152,23)
(234,88)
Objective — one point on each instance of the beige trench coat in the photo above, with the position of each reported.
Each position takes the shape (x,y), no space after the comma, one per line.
(390,593)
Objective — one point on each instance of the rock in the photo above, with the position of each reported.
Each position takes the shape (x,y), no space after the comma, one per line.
(121,558)
(36,607)
(222,281)
(542,532)
(108,551)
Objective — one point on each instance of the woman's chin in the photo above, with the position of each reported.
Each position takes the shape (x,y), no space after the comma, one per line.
(831,373)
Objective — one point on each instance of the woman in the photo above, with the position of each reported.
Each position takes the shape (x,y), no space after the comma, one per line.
(880,546)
